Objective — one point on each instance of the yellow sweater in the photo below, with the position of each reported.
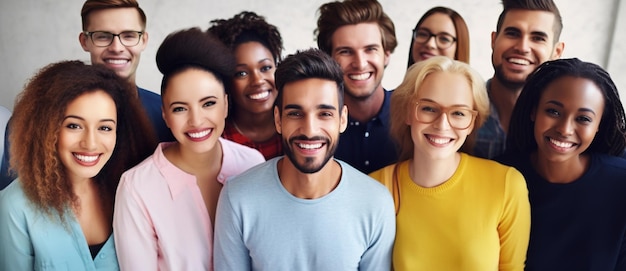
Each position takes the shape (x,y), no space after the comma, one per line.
(479,219)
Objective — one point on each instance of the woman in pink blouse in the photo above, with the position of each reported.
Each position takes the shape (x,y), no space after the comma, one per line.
(165,206)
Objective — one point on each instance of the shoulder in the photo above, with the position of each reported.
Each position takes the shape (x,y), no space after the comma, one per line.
(13,199)
(491,170)
(142,172)
(238,158)
(361,183)
(256,175)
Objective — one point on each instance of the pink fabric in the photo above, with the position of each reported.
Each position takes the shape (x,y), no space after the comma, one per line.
(160,221)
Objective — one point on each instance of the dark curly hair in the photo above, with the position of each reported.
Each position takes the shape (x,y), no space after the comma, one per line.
(611,136)
(36,123)
(194,48)
(245,27)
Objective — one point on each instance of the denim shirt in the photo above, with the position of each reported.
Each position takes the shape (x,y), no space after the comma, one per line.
(491,140)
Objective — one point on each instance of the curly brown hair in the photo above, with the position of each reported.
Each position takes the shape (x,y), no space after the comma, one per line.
(245,27)
(37,119)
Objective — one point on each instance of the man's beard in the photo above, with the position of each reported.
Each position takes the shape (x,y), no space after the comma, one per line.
(506,82)
(308,167)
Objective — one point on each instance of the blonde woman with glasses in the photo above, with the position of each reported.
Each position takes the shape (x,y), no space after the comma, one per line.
(453,211)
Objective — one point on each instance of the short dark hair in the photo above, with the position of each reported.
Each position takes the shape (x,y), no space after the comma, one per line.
(310,63)
(611,136)
(93,5)
(538,5)
(194,48)
(334,15)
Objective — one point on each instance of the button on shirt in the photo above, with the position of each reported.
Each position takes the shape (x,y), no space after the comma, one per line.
(368,146)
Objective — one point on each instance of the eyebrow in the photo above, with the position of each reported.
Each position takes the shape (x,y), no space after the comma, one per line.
(534,33)
(83,119)
(258,62)
(430,31)
(454,105)
(321,106)
(582,109)
(200,100)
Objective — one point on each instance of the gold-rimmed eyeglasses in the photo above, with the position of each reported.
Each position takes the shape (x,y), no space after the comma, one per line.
(458,117)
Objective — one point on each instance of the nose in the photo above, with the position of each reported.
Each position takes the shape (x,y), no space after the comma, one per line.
(116,45)
(565,127)
(310,126)
(359,61)
(523,45)
(431,42)
(88,141)
(195,118)
(256,78)
(442,122)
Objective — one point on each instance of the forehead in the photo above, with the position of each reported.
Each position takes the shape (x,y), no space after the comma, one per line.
(97,103)
(529,21)
(114,20)
(357,35)
(193,83)
(252,49)
(575,91)
(446,88)
(311,92)
(439,22)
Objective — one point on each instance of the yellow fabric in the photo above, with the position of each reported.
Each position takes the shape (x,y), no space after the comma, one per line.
(477,220)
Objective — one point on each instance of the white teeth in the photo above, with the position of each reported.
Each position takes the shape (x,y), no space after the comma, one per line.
(519,61)
(259,96)
(362,76)
(199,134)
(561,144)
(117,61)
(86,158)
(439,140)
(310,146)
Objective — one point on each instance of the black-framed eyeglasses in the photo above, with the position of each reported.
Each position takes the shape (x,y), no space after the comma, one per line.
(458,117)
(104,39)
(443,40)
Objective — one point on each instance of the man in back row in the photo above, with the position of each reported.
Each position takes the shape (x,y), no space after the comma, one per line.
(114,34)
(527,35)
(361,37)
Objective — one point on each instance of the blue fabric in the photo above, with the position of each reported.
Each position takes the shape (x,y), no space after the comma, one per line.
(261,226)
(368,146)
(32,240)
(491,139)
(579,225)
(5,177)
(152,105)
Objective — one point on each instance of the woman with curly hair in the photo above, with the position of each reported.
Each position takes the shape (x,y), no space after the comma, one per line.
(257,47)
(567,132)
(165,206)
(64,147)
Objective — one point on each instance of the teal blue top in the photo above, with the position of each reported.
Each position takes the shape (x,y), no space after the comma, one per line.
(31,240)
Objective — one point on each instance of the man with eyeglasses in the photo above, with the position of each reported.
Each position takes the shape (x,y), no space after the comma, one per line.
(114,35)
(527,34)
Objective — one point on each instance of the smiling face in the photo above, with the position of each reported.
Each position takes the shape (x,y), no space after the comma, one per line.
(254,89)
(310,123)
(359,51)
(437,23)
(567,118)
(122,59)
(438,140)
(525,40)
(194,108)
(88,135)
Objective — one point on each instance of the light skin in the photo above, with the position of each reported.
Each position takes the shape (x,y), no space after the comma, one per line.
(435,24)
(122,59)
(437,143)
(525,41)
(310,124)
(86,141)
(254,91)
(359,51)
(194,108)
(566,120)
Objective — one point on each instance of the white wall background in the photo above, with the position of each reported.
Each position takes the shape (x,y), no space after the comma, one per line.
(35,33)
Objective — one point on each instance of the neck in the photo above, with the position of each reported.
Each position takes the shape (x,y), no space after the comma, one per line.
(363,110)
(256,127)
(503,98)
(433,172)
(194,163)
(560,171)
(309,185)
(82,186)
